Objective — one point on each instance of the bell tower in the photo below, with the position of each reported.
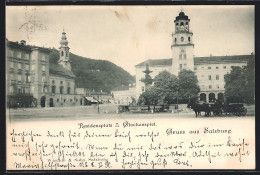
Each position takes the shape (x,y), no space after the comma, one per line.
(182,45)
(64,52)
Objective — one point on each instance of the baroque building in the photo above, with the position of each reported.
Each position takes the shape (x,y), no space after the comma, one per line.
(29,71)
(210,70)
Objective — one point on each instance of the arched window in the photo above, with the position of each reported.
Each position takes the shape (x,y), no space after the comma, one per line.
(182,26)
(203,97)
(212,97)
(189,39)
(175,40)
(62,53)
(66,54)
(182,39)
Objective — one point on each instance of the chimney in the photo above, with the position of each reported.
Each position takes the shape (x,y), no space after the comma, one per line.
(23,42)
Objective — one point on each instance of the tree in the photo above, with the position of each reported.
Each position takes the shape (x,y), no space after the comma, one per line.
(149,97)
(235,84)
(240,83)
(188,85)
(20,100)
(166,87)
(250,81)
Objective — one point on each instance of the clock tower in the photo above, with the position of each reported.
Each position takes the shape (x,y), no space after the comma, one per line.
(182,45)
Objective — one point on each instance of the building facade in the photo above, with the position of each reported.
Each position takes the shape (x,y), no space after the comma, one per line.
(28,71)
(124,95)
(210,71)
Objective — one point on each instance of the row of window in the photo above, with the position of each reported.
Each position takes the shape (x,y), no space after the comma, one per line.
(210,87)
(61,82)
(209,67)
(53,89)
(19,66)
(182,39)
(58,100)
(19,77)
(182,23)
(10,53)
(19,90)
(202,87)
(210,78)
(182,66)
(61,89)
(27,78)
(182,27)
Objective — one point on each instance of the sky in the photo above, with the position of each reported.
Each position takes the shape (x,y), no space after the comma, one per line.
(129,35)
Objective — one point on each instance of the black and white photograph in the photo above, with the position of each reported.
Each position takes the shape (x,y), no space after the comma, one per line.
(130,87)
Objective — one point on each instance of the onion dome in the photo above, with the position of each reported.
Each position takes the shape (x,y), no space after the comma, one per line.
(64,40)
(182,16)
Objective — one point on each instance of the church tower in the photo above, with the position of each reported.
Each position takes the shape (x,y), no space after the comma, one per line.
(64,52)
(182,45)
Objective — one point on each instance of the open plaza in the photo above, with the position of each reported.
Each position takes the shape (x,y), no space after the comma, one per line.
(104,111)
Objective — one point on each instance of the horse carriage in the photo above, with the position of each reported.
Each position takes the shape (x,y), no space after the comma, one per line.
(237,109)
(218,108)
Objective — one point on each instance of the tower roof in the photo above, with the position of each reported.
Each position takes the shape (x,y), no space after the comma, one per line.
(181,16)
(64,40)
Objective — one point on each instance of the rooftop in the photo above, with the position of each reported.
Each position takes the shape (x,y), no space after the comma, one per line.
(222,59)
(122,88)
(200,60)
(56,69)
(157,62)
(22,45)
